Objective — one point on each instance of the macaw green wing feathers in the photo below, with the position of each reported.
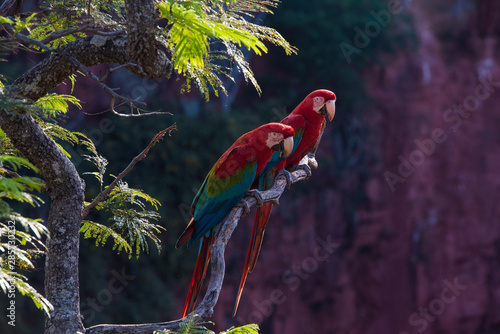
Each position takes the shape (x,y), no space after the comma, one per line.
(222,189)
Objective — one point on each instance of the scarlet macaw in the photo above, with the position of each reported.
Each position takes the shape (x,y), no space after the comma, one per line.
(225,186)
(307,119)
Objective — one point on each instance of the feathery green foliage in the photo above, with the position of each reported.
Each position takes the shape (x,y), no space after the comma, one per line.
(20,237)
(53,104)
(205,38)
(188,326)
(246,329)
(130,221)
(195,27)
(101,234)
(130,225)
(10,278)
(98,160)
(14,186)
(131,218)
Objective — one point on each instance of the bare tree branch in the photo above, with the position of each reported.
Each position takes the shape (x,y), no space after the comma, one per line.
(89,51)
(10,7)
(138,114)
(217,263)
(131,165)
(86,28)
(112,91)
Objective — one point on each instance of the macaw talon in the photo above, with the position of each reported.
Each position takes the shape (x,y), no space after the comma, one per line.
(256,194)
(305,168)
(288,178)
(312,162)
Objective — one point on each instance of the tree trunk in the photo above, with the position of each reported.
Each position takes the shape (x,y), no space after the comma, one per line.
(63,183)
(66,194)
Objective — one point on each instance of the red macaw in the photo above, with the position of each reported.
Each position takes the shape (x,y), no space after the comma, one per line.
(225,186)
(307,120)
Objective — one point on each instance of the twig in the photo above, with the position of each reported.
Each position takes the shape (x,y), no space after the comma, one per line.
(85,28)
(61,33)
(111,70)
(131,165)
(105,33)
(8,172)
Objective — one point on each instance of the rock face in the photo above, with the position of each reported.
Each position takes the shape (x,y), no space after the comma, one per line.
(421,253)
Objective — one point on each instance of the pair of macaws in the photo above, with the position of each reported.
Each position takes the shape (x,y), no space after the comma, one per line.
(246,164)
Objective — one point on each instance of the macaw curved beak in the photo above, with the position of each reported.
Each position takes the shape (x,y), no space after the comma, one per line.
(330,109)
(285,147)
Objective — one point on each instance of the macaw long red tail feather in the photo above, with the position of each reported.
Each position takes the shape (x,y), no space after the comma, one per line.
(200,271)
(186,235)
(259,227)
(263,214)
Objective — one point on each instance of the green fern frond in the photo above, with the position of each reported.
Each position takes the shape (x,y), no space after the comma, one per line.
(55,131)
(8,278)
(21,258)
(190,32)
(246,329)
(130,218)
(194,27)
(31,225)
(137,225)
(101,234)
(98,160)
(16,162)
(123,194)
(17,188)
(53,104)
(188,326)
(252,6)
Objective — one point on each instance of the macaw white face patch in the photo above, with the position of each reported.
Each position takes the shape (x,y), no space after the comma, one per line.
(273,138)
(318,102)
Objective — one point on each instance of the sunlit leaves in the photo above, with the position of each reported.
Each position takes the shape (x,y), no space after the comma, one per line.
(98,160)
(55,104)
(247,329)
(197,29)
(188,326)
(130,221)
(16,187)
(101,234)
(9,278)
(18,249)
(192,30)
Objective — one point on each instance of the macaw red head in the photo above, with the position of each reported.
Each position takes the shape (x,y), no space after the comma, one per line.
(277,137)
(322,101)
